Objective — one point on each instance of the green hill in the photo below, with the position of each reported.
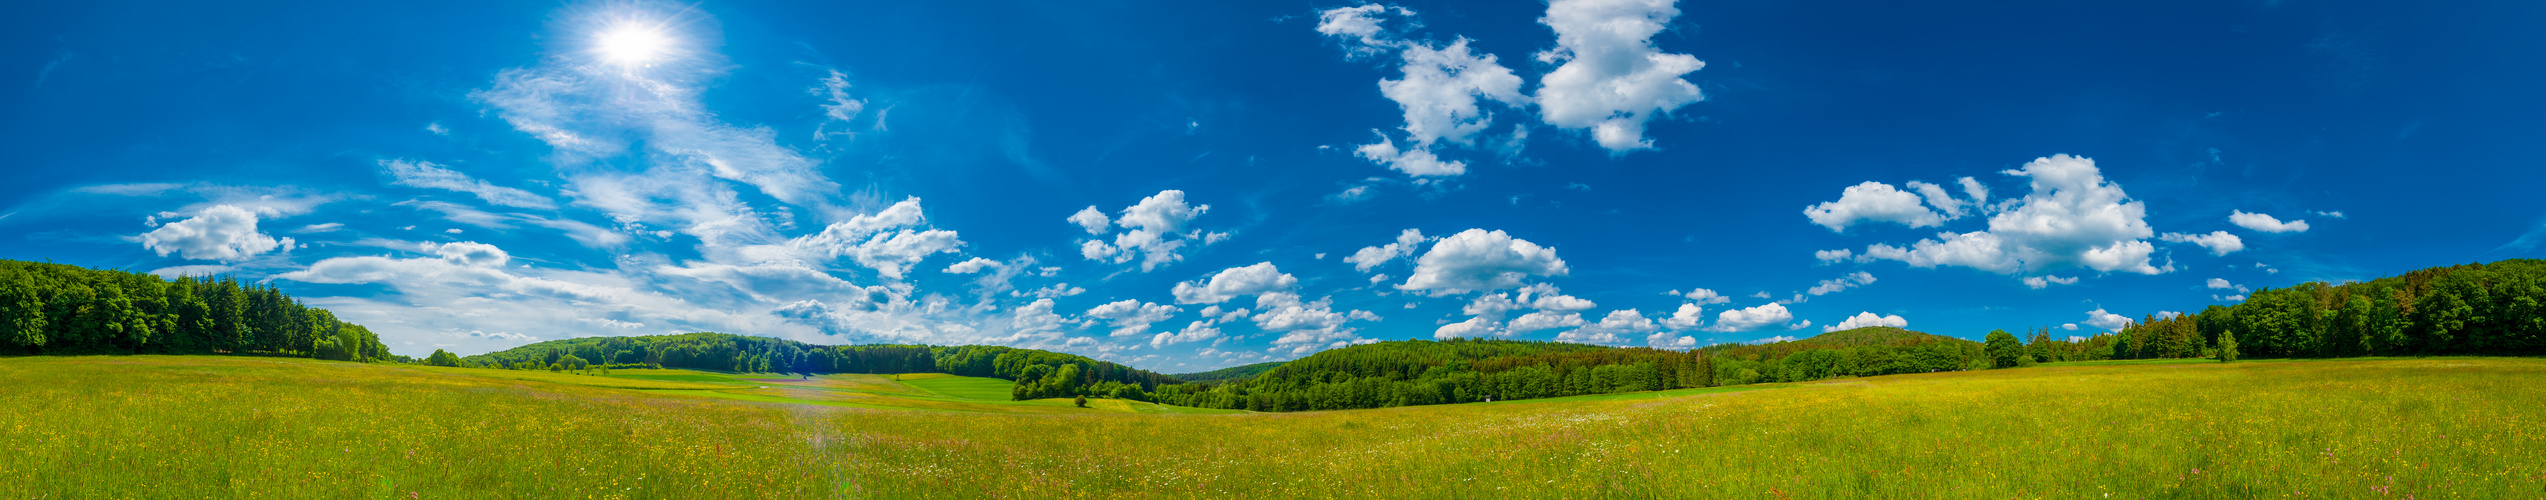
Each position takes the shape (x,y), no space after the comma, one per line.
(1234,373)
(1038,374)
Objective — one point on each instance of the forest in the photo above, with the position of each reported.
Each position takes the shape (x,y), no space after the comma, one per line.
(2472,309)
(1038,374)
(54,309)
(1422,372)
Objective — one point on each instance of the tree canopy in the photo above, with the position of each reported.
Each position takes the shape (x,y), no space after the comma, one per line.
(63,309)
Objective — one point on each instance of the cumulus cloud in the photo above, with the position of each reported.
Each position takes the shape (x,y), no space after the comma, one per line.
(1852,280)
(1234,282)
(1833,256)
(974,265)
(2265,223)
(1091,219)
(2219,242)
(1752,318)
(1611,79)
(1474,327)
(431,176)
(1131,316)
(1701,295)
(224,233)
(884,241)
(1194,332)
(1476,259)
(2073,217)
(1688,317)
(1154,230)
(2041,282)
(1371,257)
(1867,319)
(1872,201)
(1438,90)
(1615,328)
(1544,320)
(1283,311)
(2105,320)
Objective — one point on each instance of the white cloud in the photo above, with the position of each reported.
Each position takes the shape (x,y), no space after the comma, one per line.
(1091,219)
(1477,259)
(1612,329)
(1701,295)
(2219,242)
(1474,327)
(1669,340)
(1283,311)
(1418,162)
(1872,201)
(1056,290)
(1852,280)
(839,108)
(1155,229)
(1543,320)
(431,176)
(2073,217)
(1438,89)
(1234,282)
(973,265)
(1867,319)
(1945,203)
(2105,320)
(2069,326)
(1370,257)
(1687,318)
(2265,223)
(1611,78)
(883,241)
(1131,316)
(1752,318)
(1833,256)
(2338,214)
(2041,282)
(1194,332)
(224,233)
(2222,284)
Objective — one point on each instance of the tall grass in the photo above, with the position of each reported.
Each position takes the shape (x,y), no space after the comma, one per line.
(197,427)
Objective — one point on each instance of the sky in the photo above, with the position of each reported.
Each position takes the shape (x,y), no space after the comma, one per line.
(1182,186)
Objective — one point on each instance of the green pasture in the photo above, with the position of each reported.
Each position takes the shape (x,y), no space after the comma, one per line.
(232,427)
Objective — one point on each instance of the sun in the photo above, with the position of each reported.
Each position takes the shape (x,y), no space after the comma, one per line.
(632,45)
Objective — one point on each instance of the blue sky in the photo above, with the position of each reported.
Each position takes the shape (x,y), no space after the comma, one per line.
(1190,185)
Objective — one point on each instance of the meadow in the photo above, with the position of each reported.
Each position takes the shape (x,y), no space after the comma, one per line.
(229,427)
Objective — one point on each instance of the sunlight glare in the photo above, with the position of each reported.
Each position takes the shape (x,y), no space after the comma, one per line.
(633,45)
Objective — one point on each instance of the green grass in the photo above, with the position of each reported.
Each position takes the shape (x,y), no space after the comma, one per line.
(964,387)
(223,427)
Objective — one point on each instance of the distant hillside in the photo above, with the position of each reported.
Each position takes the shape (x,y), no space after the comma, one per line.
(1233,373)
(63,309)
(1039,374)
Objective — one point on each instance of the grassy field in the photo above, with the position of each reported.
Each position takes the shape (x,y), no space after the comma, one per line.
(215,427)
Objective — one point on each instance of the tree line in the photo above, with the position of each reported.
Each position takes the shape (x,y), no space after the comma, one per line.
(1421,372)
(48,308)
(1038,374)
(2473,309)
